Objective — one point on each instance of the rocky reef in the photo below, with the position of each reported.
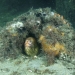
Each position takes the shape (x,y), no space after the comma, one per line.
(54,35)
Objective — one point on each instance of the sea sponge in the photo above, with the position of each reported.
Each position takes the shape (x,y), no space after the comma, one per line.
(55,48)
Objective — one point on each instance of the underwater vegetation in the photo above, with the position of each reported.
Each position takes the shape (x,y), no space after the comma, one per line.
(55,48)
(36,30)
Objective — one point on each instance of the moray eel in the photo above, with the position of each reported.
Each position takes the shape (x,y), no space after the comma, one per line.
(31,47)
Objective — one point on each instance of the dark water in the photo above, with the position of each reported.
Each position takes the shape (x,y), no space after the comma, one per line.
(12,8)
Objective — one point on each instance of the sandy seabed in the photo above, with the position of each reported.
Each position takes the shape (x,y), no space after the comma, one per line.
(35,66)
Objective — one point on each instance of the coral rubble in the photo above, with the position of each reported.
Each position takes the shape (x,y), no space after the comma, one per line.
(54,33)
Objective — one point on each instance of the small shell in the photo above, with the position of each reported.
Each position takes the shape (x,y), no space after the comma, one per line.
(31,47)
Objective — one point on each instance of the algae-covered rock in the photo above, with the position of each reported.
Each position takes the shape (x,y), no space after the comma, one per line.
(58,34)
